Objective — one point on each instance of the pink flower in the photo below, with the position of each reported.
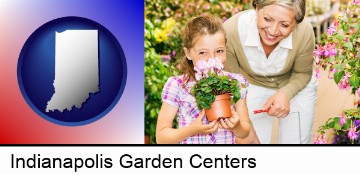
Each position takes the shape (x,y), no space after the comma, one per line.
(344,82)
(317,73)
(201,69)
(352,133)
(330,50)
(206,7)
(358,91)
(165,57)
(218,64)
(319,51)
(331,30)
(320,139)
(342,119)
(331,73)
(198,76)
(211,63)
(356,2)
(317,60)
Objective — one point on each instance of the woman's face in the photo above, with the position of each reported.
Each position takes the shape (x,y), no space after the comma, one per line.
(207,46)
(275,23)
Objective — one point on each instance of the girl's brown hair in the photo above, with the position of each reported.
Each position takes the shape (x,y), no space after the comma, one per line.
(196,27)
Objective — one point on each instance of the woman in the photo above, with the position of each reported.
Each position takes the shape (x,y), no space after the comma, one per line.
(272,46)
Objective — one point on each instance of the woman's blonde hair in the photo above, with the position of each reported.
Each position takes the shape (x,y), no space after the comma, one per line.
(297,5)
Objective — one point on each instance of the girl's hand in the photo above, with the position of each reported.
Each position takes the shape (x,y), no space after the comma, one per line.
(230,123)
(280,105)
(199,128)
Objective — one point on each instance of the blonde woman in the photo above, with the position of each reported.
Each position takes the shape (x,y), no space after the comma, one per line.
(272,46)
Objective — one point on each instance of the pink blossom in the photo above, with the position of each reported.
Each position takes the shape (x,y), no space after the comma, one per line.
(330,50)
(317,73)
(358,91)
(331,73)
(211,63)
(218,64)
(201,69)
(344,82)
(351,31)
(206,7)
(319,51)
(356,2)
(165,57)
(317,60)
(320,139)
(342,119)
(331,30)
(352,133)
(198,76)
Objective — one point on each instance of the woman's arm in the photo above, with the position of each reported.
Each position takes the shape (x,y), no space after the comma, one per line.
(301,73)
(303,64)
(166,134)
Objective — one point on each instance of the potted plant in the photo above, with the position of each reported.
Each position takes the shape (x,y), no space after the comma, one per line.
(339,53)
(214,91)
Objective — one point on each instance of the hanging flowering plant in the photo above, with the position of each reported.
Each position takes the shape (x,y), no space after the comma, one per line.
(211,81)
(340,51)
(346,128)
(339,54)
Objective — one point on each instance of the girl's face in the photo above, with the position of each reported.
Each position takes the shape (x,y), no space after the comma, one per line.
(207,46)
(274,23)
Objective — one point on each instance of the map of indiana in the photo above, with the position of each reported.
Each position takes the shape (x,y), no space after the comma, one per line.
(76,69)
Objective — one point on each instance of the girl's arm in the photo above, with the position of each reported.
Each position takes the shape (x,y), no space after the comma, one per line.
(166,134)
(243,128)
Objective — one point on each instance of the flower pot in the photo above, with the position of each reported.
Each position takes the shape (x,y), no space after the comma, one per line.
(220,108)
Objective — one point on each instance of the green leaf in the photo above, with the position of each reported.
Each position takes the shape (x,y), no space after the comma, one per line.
(336,119)
(339,67)
(331,124)
(354,81)
(338,76)
(337,126)
(357,26)
(325,127)
(346,126)
(349,45)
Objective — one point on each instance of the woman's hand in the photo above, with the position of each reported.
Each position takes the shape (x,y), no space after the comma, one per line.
(197,127)
(279,104)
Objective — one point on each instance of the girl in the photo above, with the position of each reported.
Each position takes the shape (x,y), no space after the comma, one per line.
(204,38)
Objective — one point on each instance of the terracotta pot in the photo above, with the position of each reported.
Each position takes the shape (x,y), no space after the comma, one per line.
(220,108)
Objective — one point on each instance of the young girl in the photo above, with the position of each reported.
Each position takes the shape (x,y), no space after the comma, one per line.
(204,38)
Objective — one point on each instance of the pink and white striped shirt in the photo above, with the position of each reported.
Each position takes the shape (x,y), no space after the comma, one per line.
(175,94)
